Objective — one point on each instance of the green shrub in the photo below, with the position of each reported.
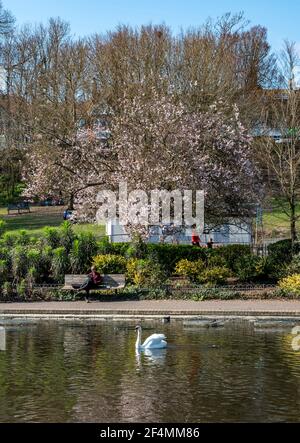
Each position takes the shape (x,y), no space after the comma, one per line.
(60,265)
(231,254)
(293,267)
(52,237)
(169,255)
(22,289)
(22,238)
(3,227)
(110,264)
(67,236)
(145,273)
(8,290)
(291,285)
(189,269)
(137,248)
(214,276)
(82,253)
(216,261)
(19,262)
(9,239)
(252,268)
(283,251)
(4,273)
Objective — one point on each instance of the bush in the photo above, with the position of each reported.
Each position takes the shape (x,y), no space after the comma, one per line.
(145,273)
(52,237)
(231,254)
(291,285)
(137,248)
(214,276)
(283,252)
(19,262)
(60,264)
(251,268)
(110,264)
(189,269)
(3,227)
(169,255)
(3,271)
(293,267)
(22,289)
(8,290)
(9,239)
(82,253)
(67,236)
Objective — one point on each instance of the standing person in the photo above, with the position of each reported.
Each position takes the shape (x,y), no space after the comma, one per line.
(195,237)
(210,244)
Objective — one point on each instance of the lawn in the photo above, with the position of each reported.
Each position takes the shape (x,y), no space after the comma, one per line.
(41,217)
(276,222)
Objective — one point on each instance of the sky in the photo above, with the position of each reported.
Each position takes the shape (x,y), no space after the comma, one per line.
(89,16)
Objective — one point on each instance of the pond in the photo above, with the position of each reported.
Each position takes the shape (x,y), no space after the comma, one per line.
(89,372)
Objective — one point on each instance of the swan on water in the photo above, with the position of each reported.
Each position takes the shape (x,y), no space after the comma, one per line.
(155,341)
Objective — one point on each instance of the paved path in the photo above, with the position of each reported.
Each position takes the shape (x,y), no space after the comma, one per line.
(157,308)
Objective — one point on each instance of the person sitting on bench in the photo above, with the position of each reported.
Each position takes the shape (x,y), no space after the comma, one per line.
(93,281)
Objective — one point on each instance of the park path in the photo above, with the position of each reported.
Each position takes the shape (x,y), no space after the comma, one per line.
(157,308)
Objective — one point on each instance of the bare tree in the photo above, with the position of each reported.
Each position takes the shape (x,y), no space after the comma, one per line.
(281,158)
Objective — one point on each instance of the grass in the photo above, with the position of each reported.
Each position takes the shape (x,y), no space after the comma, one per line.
(41,217)
(276,221)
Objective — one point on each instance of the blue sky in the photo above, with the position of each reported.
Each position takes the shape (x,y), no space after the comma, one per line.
(89,16)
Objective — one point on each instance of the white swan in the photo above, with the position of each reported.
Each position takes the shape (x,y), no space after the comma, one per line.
(155,341)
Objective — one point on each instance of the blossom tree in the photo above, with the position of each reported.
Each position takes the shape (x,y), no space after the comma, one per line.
(156,144)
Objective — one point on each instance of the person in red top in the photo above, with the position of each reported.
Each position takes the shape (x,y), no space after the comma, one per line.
(93,281)
(195,237)
(95,277)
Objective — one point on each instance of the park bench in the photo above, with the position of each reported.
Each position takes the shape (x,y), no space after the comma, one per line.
(20,207)
(113,282)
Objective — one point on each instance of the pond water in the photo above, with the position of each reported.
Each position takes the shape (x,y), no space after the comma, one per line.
(89,372)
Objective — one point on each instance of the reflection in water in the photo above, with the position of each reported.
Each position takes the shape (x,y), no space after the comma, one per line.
(77,372)
(153,356)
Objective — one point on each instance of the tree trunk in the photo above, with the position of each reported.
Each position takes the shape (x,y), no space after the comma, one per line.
(293,220)
(71,202)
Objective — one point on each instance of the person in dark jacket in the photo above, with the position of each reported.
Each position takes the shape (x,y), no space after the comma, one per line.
(93,281)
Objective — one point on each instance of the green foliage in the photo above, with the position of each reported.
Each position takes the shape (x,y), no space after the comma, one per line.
(3,271)
(3,227)
(252,268)
(8,290)
(231,254)
(83,250)
(291,285)
(9,239)
(67,236)
(137,248)
(169,255)
(214,276)
(52,237)
(19,262)
(282,251)
(60,264)
(189,269)
(22,288)
(215,294)
(293,267)
(145,273)
(22,238)
(110,264)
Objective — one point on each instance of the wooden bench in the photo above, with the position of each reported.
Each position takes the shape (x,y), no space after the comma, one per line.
(113,282)
(20,207)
